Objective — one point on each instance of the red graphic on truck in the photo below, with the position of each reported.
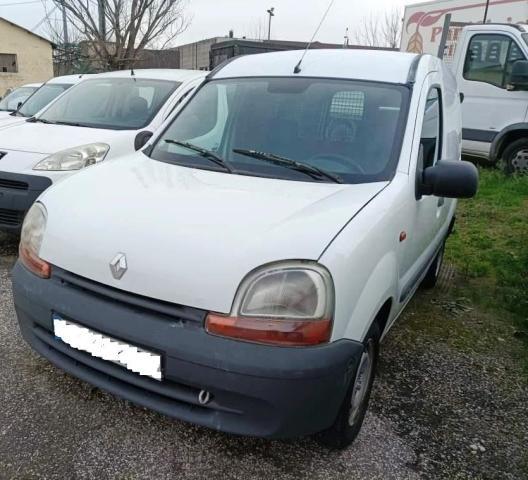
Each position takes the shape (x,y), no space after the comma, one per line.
(415,43)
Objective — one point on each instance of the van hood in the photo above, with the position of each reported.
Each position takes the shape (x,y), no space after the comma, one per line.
(190,236)
(47,139)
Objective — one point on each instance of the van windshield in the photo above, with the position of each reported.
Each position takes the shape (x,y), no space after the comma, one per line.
(111,103)
(11,101)
(348,130)
(42,97)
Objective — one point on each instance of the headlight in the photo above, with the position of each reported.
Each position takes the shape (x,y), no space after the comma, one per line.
(286,304)
(74,158)
(31,237)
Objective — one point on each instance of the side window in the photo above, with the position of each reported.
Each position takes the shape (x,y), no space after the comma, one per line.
(430,138)
(489,59)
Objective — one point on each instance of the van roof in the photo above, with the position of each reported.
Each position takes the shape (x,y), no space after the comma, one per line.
(373,65)
(69,79)
(522,27)
(157,74)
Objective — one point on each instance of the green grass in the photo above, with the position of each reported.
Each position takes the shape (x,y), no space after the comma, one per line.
(490,248)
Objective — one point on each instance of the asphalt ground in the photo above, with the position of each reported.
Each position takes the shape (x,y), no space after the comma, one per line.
(437,412)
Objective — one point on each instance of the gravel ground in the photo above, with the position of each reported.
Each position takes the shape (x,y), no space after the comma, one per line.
(439,410)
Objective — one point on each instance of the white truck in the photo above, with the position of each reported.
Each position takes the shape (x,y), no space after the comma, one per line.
(490,63)
(241,269)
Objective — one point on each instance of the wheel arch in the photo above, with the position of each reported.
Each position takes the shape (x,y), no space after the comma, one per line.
(505,137)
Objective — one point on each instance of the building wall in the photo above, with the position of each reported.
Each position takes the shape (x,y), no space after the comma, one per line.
(195,56)
(34,56)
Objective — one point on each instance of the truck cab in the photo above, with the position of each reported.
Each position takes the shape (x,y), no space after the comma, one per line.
(495,108)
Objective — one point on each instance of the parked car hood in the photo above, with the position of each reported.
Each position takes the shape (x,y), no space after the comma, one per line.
(190,236)
(47,139)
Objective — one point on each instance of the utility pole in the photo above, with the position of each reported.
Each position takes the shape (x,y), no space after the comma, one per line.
(271,13)
(65,36)
(102,19)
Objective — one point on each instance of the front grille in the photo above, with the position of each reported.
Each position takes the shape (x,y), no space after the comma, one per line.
(160,308)
(13,184)
(12,218)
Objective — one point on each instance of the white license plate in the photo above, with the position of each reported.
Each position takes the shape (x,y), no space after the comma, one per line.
(131,357)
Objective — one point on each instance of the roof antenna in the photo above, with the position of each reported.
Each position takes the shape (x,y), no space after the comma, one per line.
(298,66)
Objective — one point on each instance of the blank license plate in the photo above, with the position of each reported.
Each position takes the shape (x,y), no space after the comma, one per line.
(131,357)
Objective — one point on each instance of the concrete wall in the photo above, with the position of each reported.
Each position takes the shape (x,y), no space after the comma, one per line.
(34,56)
(195,56)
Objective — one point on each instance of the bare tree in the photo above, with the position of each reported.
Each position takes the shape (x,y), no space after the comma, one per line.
(391,28)
(380,30)
(131,27)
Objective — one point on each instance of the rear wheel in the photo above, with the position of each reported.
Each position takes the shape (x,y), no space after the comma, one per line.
(432,275)
(515,157)
(352,412)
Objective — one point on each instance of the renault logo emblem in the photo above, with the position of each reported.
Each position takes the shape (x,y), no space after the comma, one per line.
(118,266)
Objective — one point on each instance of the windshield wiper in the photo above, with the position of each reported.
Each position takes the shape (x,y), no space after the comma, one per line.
(314,172)
(203,152)
(40,120)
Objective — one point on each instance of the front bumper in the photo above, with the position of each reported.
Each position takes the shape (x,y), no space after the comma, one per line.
(17,193)
(258,390)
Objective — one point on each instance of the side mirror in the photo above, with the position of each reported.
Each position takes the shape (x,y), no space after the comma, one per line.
(141,139)
(19,104)
(519,76)
(450,179)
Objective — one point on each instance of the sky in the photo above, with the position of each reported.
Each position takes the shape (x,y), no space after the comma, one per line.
(294,19)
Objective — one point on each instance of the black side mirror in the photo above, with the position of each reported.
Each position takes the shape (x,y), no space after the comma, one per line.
(450,179)
(141,139)
(19,104)
(519,76)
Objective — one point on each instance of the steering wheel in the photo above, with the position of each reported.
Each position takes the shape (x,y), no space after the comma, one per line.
(339,159)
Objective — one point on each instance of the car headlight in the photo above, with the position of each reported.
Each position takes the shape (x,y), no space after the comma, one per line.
(74,158)
(31,237)
(285,304)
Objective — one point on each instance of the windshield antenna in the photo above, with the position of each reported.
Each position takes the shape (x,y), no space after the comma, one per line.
(297,68)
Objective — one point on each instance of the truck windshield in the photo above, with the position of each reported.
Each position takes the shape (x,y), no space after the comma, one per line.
(11,101)
(42,97)
(293,128)
(111,103)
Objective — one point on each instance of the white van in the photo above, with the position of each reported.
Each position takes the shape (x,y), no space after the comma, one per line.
(39,99)
(101,118)
(240,271)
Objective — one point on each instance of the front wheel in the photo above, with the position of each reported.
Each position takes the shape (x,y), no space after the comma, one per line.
(515,157)
(352,412)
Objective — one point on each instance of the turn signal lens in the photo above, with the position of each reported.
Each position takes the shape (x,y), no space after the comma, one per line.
(31,240)
(285,332)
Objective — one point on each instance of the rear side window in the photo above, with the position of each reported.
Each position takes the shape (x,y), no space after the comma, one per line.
(490,59)
(430,138)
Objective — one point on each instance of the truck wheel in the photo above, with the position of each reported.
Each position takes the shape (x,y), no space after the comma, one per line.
(515,157)
(352,412)
(431,277)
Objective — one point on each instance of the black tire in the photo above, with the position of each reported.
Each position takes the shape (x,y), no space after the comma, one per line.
(515,157)
(431,277)
(345,429)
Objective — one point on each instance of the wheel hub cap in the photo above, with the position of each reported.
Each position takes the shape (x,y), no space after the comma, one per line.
(520,161)
(361,383)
